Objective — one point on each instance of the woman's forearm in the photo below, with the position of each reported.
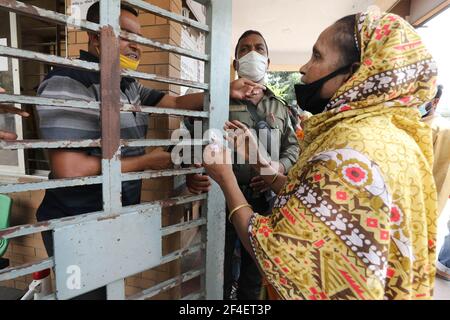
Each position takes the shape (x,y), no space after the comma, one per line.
(241,218)
(267,172)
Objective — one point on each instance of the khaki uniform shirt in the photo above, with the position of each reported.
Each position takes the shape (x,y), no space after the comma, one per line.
(274,111)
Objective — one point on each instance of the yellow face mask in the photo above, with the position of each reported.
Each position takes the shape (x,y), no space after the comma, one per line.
(125,62)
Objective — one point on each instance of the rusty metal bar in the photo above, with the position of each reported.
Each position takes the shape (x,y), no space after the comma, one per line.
(167,285)
(91,66)
(160,173)
(169,80)
(110,104)
(167,14)
(110,119)
(62,19)
(54,144)
(81,104)
(24,230)
(51,184)
(183,226)
(182,253)
(23,270)
(47,58)
(165,111)
(47,15)
(47,144)
(95,105)
(163,46)
(163,142)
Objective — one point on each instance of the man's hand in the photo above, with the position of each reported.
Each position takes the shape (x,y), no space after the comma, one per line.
(159,159)
(244,89)
(198,183)
(8,136)
(245,144)
(259,185)
(7,109)
(4,109)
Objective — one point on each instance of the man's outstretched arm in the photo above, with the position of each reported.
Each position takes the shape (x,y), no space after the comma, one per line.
(240,89)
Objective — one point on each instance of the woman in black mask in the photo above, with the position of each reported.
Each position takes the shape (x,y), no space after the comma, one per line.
(356,216)
(329,66)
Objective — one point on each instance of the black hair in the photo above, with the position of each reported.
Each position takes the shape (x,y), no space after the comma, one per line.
(93,14)
(345,40)
(245,35)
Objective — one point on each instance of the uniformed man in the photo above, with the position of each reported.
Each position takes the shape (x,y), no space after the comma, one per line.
(263,110)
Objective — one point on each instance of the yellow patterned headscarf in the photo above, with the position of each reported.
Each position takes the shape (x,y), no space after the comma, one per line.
(357,217)
(396,70)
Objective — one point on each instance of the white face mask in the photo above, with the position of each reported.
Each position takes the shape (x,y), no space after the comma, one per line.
(253,66)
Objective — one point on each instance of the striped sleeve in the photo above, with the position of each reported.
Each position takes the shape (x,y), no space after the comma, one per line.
(67,123)
(150,97)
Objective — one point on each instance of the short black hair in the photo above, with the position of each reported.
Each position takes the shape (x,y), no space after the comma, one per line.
(345,40)
(245,35)
(93,13)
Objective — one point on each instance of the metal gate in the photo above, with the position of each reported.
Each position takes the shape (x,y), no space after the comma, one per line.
(127,240)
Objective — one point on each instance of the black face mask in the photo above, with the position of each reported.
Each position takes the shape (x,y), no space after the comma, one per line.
(308,95)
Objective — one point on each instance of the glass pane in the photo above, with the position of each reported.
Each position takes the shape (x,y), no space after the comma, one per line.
(7,122)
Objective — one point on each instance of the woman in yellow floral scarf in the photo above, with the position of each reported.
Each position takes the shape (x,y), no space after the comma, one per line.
(356,217)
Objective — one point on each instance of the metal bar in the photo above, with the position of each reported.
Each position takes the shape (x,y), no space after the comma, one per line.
(110,119)
(95,105)
(23,270)
(47,15)
(183,226)
(182,253)
(62,19)
(24,230)
(172,202)
(195,296)
(116,290)
(46,144)
(163,46)
(165,111)
(163,143)
(167,285)
(168,15)
(11,98)
(52,184)
(46,58)
(110,104)
(219,20)
(91,66)
(54,144)
(159,173)
(169,80)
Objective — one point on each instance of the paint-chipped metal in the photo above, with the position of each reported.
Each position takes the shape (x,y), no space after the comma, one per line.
(216,88)
(168,15)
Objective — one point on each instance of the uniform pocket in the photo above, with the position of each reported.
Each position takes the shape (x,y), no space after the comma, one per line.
(242,116)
